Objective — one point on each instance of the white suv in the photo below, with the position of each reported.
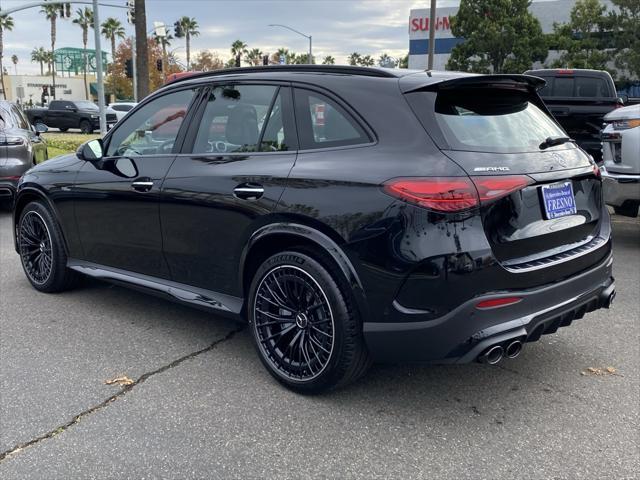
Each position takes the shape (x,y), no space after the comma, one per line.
(621,155)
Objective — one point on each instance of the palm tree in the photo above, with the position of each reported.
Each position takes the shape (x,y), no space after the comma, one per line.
(187,27)
(255,56)
(354,58)
(6,24)
(238,49)
(84,19)
(51,11)
(367,61)
(14,60)
(48,59)
(387,61)
(39,55)
(329,60)
(112,28)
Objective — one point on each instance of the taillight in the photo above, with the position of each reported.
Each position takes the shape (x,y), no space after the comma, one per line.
(444,194)
(596,171)
(454,194)
(498,302)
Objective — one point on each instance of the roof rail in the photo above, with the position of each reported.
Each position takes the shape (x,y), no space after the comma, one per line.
(335,69)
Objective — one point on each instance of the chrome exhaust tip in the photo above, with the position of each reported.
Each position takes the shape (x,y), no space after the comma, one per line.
(492,355)
(513,349)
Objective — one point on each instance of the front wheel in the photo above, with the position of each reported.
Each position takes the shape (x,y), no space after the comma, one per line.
(305,323)
(41,249)
(86,127)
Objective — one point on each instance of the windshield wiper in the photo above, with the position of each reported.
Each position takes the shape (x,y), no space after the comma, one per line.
(553,141)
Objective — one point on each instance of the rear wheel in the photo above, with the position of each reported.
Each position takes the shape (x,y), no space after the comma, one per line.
(86,127)
(305,324)
(627,209)
(63,129)
(41,249)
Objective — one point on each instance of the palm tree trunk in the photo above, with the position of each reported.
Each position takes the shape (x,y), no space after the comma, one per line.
(4,93)
(188,50)
(84,69)
(53,55)
(113,51)
(41,68)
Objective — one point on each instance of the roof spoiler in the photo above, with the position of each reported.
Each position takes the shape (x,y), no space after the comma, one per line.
(501,80)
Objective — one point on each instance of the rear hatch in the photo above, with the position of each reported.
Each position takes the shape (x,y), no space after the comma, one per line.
(540,196)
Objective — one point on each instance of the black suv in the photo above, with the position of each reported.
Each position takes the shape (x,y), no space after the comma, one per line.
(349,215)
(65,114)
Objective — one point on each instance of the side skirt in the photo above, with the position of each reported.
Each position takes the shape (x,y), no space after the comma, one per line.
(197,297)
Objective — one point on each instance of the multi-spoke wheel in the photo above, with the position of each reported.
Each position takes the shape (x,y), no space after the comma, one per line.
(34,241)
(304,323)
(41,249)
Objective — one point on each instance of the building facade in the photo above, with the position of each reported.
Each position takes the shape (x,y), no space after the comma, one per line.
(548,13)
(28,89)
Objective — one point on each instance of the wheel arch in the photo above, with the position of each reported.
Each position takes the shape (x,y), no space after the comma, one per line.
(24,197)
(273,238)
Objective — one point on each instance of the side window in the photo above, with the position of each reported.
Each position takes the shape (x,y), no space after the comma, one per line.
(56,105)
(323,123)
(563,87)
(152,129)
(242,118)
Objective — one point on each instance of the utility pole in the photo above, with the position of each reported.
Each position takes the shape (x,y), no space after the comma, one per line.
(142,67)
(133,67)
(101,106)
(432,33)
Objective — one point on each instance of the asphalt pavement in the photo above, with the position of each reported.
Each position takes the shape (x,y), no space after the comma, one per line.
(202,406)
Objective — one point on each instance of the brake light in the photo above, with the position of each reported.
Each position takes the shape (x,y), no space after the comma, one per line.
(498,302)
(565,71)
(454,194)
(444,194)
(492,188)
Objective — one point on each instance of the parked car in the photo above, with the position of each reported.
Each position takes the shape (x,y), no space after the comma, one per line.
(66,114)
(579,100)
(621,152)
(21,147)
(448,220)
(120,109)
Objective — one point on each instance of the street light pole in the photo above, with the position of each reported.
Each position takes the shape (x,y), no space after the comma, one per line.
(101,106)
(432,33)
(310,59)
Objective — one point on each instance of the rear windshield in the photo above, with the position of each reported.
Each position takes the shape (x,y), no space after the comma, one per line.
(581,87)
(493,120)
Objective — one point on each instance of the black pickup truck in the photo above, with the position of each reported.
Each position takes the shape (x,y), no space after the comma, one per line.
(66,114)
(579,99)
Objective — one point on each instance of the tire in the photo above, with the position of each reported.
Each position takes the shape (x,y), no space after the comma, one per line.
(308,348)
(86,127)
(627,209)
(63,129)
(42,251)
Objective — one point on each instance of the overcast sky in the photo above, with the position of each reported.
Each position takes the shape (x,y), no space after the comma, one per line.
(338,27)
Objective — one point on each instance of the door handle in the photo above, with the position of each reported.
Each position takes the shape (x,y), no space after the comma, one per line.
(248,191)
(142,184)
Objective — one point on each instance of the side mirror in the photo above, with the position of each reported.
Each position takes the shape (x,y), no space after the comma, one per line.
(624,97)
(90,151)
(39,128)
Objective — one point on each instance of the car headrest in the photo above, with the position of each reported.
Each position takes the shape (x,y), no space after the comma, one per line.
(242,125)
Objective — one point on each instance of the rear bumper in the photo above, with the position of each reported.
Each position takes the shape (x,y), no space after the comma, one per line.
(464,333)
(619,188)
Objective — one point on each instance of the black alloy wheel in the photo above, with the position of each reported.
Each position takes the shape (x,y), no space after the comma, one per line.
(41,248)
(294,322)
(36,249)
(86,127)
(304,322)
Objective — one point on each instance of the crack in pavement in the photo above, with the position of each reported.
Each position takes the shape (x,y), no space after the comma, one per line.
(123,391)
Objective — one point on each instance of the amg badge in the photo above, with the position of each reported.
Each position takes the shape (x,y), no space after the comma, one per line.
(491,169)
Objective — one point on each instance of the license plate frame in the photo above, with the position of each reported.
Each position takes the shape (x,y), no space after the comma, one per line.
(558,200)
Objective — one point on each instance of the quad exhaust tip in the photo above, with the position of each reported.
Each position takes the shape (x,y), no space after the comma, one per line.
(492,355)
(513,349)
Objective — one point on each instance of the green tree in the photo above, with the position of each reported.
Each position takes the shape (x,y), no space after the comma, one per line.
(626,34)
(238,50)
(206,61)
(404,62)
(112,29)
(84,19)
(581,39)
(328,60)
(354,58)
(254,56)
(39,55)
(188,28)
(6,25)
(367,61)
(14,60)
(501,36)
